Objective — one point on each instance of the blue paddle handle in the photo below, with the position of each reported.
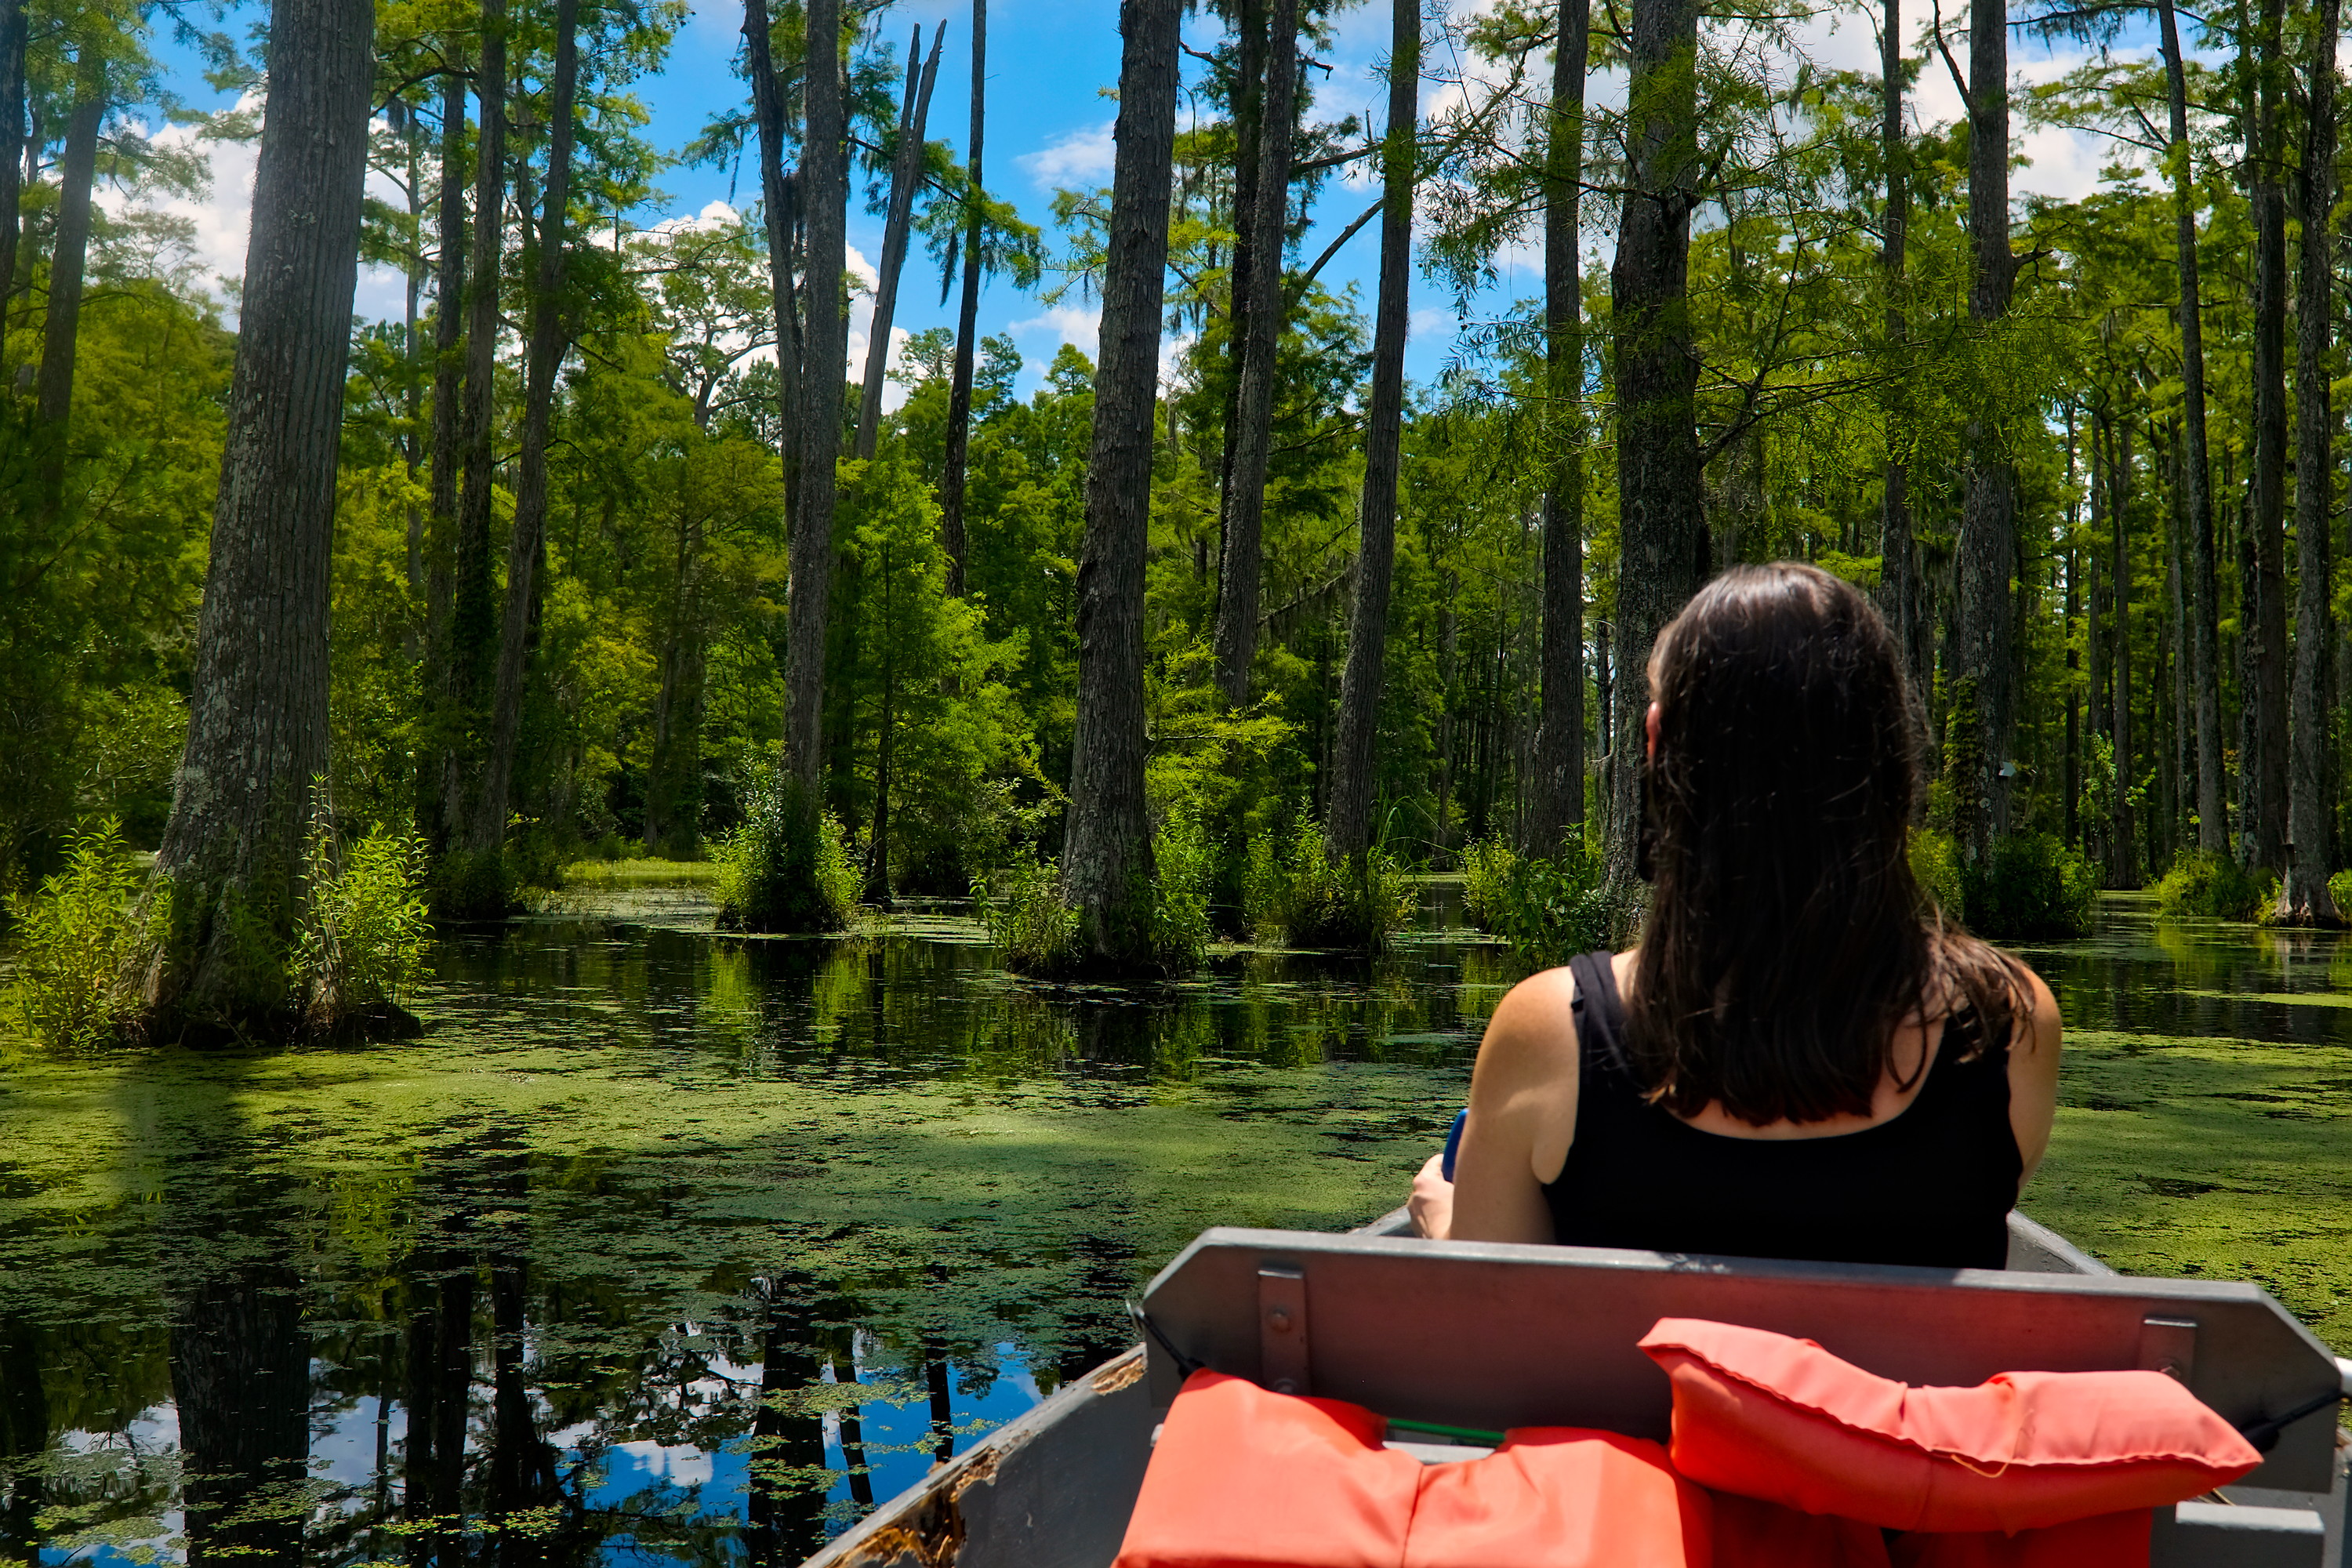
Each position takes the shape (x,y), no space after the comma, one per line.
(1454,1143)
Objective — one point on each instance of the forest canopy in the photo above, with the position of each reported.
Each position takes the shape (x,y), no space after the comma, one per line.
(607,544)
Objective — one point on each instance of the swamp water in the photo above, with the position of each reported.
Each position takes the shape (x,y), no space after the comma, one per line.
(660,1248)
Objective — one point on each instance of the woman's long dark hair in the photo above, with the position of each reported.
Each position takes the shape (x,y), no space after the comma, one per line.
(1787,939)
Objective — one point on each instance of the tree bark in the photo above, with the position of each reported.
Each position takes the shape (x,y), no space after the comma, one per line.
(2303,897)
(257,701)
(2204,639)
(906,174)
(1259,311)
(1555,803)
(1988,545)
(1106,850)
(2123,847)
(779,208)
(449,382)
(1349,815)
(1662,515)
(2264,773)
(527,543)
(15,37)
(1898,554)
(951,485)
(824,186)
(472,616)
(70,251)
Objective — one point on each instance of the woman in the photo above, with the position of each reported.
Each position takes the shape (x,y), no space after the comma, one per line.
(1801,1059)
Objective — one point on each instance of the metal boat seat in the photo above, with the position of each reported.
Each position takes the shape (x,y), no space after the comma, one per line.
(1490,1336)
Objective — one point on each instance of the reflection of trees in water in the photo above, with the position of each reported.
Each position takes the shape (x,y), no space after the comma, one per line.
(24,1434)
(240,1358)
(789,1478)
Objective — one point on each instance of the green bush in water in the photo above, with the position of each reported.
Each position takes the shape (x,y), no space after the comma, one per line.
(78,934)
(1294,892)
(364,936)
(1021,904)
(1486,868)
(2201,883)
(2034,888)
(1935,866)
(491,884)
(2339,888)
(1548,910)
(1183,865)
(787,867)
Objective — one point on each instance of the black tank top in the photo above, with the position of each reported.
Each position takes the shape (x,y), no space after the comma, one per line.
(1932,1185)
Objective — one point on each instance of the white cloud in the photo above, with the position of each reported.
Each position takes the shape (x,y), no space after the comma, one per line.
(222,218)
(1077,325)
(1075,158)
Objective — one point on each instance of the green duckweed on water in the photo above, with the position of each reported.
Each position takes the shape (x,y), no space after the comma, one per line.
(594,1262)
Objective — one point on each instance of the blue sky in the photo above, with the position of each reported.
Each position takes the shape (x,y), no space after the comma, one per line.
(1049,125)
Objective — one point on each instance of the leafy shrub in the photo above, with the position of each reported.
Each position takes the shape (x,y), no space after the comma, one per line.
(1935,866)
(2034,887)
(1549,910)
(1294,892)
(2201,883)
(1486,868)
(77,935)
(1183,862)
(2339,888)
(363,939)
(1021,904)
(787,867)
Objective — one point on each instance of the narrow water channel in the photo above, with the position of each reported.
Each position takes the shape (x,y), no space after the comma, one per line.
(666,1248)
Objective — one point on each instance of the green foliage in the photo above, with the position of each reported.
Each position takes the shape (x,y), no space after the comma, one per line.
(2216,887)
(1935,866)
(1021,904)
(1548,910)
(2339,888)
(1487,866)
(1294,892)
(364,932)
(787,867)
(1183,862)
(2034,888)
(77,937)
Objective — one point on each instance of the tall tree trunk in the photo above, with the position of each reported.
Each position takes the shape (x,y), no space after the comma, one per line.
(1898,554)
(526,545)
(14,35)
(1248,96)
(1107,849)
(411,438)
(1988,545)
(449,382)
(1662,514)
(1349,815)
(2123,846)
(1258,320)
(1558,803)
(906,176)
(951,485)
(78,174)
(473,626)
(674,782)
(779,213)
(257,703)
(2304,897)
(2204,658)
(2264,770)
(824,187)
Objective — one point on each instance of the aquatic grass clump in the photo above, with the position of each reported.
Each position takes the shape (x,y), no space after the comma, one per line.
(77,935)
(2034,888)
(1294,892)
(1021,904)
(365,930)
(2214,886)
(787,868)
(1548,910)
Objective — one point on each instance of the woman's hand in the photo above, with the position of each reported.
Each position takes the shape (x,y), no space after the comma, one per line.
(1432,1203)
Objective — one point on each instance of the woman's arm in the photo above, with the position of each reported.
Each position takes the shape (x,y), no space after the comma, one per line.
(2033,1076)
(1522,1114)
